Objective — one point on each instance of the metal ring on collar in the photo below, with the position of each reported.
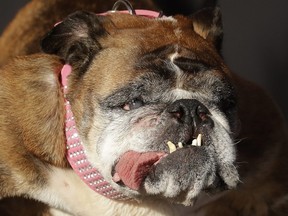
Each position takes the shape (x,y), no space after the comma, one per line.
(126,3)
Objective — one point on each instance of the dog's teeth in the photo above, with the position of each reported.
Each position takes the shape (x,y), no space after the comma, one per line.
(180,144)
(199,140)
(171,146)
(194,142)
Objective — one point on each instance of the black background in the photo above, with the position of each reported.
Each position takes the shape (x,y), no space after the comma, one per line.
(255,40)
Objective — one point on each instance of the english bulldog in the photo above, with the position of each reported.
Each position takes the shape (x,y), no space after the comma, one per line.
(132,115)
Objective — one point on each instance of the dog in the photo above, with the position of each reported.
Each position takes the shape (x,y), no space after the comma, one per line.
(157,112)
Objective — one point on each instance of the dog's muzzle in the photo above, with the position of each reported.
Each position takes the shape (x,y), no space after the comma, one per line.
(189,114)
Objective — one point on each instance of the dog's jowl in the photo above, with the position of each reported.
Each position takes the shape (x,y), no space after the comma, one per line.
(156,121)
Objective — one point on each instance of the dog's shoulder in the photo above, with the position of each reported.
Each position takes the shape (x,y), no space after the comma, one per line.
(30,63)
(28,74)
(30,87)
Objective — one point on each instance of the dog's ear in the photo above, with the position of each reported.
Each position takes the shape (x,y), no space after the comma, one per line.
(75,39)
(208,24)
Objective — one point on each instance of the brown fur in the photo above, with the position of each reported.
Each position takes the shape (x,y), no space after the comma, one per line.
(22,35)
(262,149)
(17,127)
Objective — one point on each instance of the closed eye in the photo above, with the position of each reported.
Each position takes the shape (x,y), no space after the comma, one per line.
(133,104)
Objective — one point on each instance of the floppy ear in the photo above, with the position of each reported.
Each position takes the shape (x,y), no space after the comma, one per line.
(208,24)
(75,39)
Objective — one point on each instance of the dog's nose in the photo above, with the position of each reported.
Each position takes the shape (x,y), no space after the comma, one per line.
(189,111)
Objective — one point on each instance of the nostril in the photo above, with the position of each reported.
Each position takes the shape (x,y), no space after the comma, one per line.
(188,111)
(202,112)
(203,116)
(177,115)
(177,112)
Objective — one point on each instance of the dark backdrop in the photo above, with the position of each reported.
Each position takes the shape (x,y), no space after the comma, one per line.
(255,38)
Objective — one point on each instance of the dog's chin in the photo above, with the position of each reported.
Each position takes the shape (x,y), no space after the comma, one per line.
(181,175)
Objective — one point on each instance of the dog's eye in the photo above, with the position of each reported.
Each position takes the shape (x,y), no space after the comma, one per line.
(133,104)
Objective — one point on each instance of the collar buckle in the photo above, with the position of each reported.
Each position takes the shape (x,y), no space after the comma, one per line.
(128,6)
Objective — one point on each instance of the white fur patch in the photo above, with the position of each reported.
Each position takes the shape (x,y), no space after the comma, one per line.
(181,94)
(173,56)
(168,18)
(51,79)
(178,33)
(176,69)
(66,191)
(177,30)
(221,119)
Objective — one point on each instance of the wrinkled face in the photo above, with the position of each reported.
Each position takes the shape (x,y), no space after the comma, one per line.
(156,108)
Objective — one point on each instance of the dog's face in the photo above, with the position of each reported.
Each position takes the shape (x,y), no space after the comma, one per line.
(140,83)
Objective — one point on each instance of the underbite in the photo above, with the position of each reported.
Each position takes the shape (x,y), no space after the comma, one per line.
(195,142)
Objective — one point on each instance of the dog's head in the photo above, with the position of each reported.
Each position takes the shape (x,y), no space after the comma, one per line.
(142,87)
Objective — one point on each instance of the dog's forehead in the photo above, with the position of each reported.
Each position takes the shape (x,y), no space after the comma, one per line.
(134,41)
(150,33)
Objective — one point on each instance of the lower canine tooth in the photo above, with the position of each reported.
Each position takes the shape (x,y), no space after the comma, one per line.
(199,139)
(171,146)
(194,142)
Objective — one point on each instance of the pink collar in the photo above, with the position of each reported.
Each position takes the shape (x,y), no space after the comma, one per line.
(76,153)
(75,150)
(145,13)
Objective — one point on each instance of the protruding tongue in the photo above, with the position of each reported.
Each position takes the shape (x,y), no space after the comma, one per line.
(133,167)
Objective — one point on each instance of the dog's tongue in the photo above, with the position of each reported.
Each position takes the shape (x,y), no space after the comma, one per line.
(133,167)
